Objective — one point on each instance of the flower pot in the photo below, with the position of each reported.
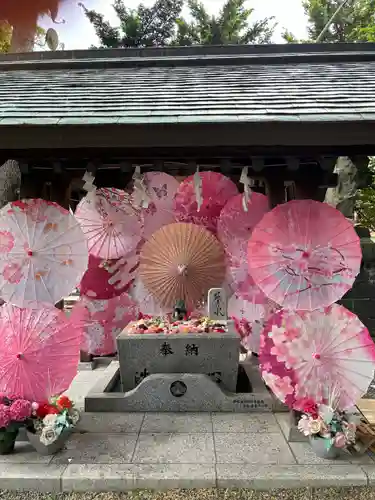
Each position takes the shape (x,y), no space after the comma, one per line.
(323,448)
(7,441)
(50,449)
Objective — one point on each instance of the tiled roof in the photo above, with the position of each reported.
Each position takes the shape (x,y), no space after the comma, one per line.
(246,89)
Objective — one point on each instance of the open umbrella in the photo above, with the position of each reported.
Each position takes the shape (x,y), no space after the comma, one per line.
(111,224)
(146,302)
(43,252)
(181,261)
(105,279)
(304,255)
(216,191)
(235,226)
(315,354)
(102,321)
(39,352)
(161,189)
(248,317)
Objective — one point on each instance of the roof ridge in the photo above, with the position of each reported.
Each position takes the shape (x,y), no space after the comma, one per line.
(191,56)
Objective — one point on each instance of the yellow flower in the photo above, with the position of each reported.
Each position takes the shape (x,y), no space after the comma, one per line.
(315,426)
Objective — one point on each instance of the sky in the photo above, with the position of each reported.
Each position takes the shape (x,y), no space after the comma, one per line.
(77,32)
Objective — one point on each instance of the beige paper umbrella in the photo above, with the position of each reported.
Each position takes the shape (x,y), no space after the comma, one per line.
(181,261)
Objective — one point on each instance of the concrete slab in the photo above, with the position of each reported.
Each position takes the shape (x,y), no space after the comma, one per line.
(244,422)
(252,448)
(24,453)
(110,422)
(266,477)
(121,477)
(177,422)
(97,448)
(24,476)
(175,448)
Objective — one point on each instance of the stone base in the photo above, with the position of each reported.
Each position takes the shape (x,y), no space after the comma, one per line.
(288,423)
(173,392)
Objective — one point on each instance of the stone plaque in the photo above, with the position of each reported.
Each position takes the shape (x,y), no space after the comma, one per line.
(212,354)
(217,304)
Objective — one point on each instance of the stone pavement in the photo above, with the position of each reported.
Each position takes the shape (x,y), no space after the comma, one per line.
(117,452)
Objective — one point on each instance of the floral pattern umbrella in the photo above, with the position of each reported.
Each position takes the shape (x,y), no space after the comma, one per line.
(43,253)
(102,321)
(216,191)
(235,225)
(248,318)
(39,352)
(316,354)
(304,255)
(105,279)
(161,189)
(111,224)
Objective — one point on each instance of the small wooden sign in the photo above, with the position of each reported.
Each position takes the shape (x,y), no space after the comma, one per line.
(217,304)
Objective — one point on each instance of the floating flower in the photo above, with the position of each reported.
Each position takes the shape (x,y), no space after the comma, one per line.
(64,402)
(340,440)
(6,241)
(315,426)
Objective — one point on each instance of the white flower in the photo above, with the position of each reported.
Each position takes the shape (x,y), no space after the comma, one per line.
(34,406)
(50,420)
(304,426)
(48,436)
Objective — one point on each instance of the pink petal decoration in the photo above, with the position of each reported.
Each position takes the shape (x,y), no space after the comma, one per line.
(102,321)
(316,354)
(216,191)
(304,255)
(161,188)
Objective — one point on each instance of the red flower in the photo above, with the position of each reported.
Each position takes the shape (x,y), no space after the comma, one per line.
(46,409)
(64,402)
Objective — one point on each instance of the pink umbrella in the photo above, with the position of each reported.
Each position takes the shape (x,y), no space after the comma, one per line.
(234,226)
(317,354)
(112,226)
(304,255)
(102,321)
(39,352)
(105,279)
(248,317)
(161,189)
(216,191)
(147,304)
(43,252)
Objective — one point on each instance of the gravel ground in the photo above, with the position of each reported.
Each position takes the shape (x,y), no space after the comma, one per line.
(303,494)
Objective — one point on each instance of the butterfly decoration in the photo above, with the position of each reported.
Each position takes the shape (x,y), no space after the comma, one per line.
(161,192)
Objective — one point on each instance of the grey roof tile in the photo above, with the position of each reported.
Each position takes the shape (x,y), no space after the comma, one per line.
(188,94)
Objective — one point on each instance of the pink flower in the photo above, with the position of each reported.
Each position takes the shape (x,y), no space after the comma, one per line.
(6,241)
(4,416)
(340,440)
(12,273)
(20,410)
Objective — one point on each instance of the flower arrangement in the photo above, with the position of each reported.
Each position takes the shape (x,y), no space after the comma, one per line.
(49,420)
(169,326)
(324,422)
(14,412)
